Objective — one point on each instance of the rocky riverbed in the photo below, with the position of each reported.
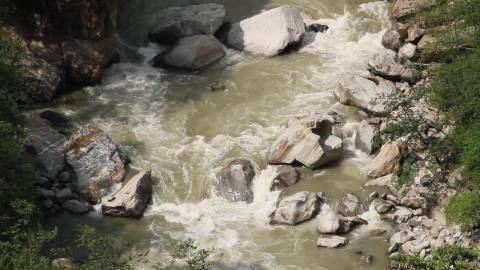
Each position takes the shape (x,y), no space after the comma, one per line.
(278,167)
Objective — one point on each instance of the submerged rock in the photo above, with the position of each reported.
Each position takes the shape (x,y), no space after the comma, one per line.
(349,205)
(392,67)
(96,160)
(233,181)
(361,92)
(332,241)
(179,22)
(297,208)
(190,53)
(387,161)
(285,176)
(76,207)
(308,141)
(131,199)
(268,33)
(319,28)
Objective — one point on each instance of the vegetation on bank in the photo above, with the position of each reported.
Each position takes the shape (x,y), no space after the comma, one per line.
(451,65)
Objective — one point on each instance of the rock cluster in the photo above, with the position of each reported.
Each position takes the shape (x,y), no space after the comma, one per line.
(80,166)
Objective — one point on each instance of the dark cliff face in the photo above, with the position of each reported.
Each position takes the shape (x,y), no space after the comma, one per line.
(79,19)
(66,43)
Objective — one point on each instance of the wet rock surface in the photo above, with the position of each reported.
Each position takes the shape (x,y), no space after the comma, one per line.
(233,180)
(297,208)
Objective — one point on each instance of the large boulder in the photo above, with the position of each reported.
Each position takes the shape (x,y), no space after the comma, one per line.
(131,199)
(190,53)
(86,60)
(393,39)
(48,144)
(392,67)
(268,33)
(178,22)
(402,9)
(387,161)
(96,160)
(365,136)
(233,181)
(349,205)
(308,141)
(285,175)
(76,207)
(297,208)
(408,51)
(329,222)
(361,92)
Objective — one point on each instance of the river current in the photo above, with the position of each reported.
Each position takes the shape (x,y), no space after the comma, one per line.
(171,123)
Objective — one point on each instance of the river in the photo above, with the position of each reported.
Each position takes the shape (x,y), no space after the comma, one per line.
(171,123)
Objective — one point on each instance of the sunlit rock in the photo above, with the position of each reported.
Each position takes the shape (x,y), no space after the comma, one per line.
(297,208)
(268,33)
(131,199)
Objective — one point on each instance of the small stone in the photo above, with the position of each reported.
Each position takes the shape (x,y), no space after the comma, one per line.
(43,181)
(218,85)
(62,263)
(368,259)
(332,242)
(373,196)
(319,28)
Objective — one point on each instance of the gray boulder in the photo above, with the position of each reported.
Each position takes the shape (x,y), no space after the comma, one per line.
(381,206)
(349,205)
(44,193)
(365,136)
(285,176)
(361,92)
(268,33)
(76,207)
(49,145)
(393,39)
(178,22)
(402,9)
(332,241)
(392,67)
(297,208)
(310,142)
(190,53)
(130,200)
(96,160)
(233,181)
(329,222)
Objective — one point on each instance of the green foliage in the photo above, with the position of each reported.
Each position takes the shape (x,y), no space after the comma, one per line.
(464,209)
(103,253)
(195,257)
(445,257)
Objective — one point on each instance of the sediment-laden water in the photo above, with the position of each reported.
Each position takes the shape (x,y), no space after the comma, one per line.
(170,122)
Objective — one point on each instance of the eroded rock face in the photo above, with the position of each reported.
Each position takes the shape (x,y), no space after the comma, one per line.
(297,208)
(191,53)
(96,160)
(361,92)
(387,161)
(285,176)
(392,67)
(309,141)
(131,199)
(349,205)
(49,145)
(268,33)
(179,22)
(233,181)
(86,60)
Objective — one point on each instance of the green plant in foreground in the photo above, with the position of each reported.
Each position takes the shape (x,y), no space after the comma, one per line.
(446,257)
(195,257)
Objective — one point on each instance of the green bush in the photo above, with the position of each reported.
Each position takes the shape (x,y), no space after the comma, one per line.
(464,209)
(446,257)
(196,258)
